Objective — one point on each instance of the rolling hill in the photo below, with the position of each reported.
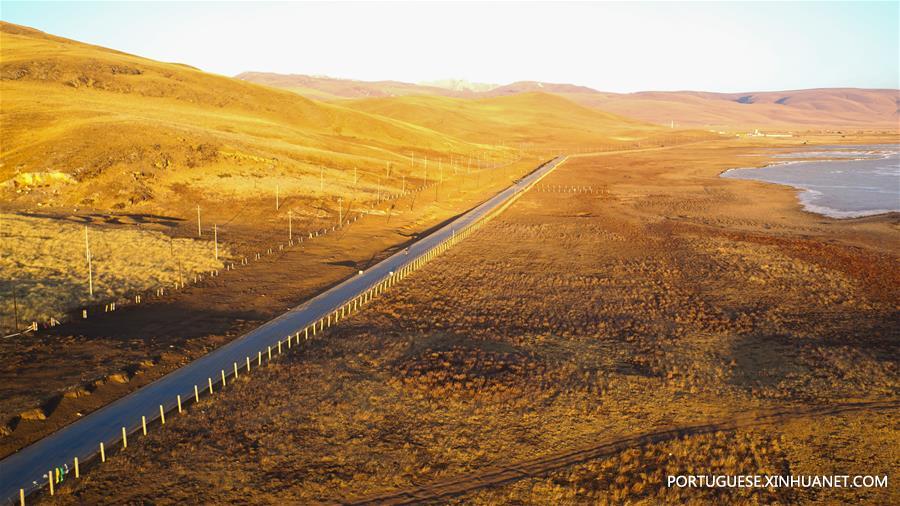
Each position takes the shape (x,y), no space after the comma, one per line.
(524,118)
(797,109)
(90,126)
(329,88)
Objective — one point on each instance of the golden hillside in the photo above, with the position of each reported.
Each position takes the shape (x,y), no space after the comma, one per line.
(329,88)
(85,125)
(829,108)
(532,118)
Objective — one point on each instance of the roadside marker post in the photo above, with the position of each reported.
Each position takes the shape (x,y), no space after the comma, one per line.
(162,415)
(144,424)
(77,469)
(124,438)
(102,453)
(196,394)
(178,397)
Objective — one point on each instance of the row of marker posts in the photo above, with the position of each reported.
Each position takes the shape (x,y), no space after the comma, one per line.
(56,475)
(196,278)
(161,291)
(565,189)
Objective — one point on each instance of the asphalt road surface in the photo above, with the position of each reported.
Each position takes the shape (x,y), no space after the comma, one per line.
(27,469)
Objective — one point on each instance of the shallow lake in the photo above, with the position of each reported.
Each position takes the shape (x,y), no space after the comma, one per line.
(837,181)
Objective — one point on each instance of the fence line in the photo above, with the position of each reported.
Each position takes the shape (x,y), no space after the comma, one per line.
(99,308)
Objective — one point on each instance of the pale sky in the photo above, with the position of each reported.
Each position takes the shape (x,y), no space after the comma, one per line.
(608,46)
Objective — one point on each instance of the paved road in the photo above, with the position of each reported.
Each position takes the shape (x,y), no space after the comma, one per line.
(26,468)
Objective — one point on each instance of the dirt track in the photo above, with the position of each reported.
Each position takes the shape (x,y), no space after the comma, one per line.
(499,475)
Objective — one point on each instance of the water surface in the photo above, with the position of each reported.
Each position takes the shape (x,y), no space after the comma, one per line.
(837,181)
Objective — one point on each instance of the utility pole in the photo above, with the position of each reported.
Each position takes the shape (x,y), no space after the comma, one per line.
(199,230)
(87,255)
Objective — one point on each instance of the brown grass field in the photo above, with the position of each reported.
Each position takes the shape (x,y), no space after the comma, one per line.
(664,299)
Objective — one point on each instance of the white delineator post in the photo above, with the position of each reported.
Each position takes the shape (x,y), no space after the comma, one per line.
(87,254)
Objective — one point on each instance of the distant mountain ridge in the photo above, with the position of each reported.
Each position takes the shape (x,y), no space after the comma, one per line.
(460,85)
(792,109)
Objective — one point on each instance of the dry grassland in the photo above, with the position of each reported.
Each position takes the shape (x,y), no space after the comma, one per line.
(671,298)
(44,261)
(51,378)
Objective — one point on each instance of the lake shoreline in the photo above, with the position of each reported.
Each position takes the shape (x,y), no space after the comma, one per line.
(838,187)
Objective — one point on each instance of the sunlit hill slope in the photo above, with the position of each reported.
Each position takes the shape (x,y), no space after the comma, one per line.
(527,118)
(86,126)
(832,108)
(329,88)
(112,130)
